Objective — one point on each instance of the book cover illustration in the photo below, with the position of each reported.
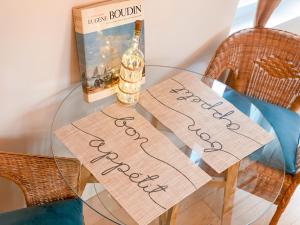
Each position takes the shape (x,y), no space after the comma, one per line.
(103,33)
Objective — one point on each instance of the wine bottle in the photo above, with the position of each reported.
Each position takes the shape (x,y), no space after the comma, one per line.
(131,71)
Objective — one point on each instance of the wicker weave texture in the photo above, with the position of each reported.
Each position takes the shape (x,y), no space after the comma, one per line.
(265,64)
(261,180)
(38,176)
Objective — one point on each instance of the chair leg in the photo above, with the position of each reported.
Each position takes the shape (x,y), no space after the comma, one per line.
(285,201)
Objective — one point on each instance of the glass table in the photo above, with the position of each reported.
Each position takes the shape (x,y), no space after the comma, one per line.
(240,195)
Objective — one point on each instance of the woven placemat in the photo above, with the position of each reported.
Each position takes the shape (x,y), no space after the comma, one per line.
(141,168)
(204,121)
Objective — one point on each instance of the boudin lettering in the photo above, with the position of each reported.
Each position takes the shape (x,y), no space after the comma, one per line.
(128,11)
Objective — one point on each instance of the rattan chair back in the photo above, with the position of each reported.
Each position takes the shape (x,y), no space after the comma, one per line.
(39,178)
(264,63)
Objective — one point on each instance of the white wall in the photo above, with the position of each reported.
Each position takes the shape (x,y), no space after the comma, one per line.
(38,60)
(291,26)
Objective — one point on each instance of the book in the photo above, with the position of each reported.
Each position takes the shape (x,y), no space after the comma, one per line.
(104,31)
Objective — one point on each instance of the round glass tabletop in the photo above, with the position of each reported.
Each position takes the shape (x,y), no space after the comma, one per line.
(256,181)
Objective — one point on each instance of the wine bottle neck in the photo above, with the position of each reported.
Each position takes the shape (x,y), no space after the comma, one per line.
(137,34)
(135,41)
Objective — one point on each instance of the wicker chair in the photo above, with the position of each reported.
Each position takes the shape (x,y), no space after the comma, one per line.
(39,178)
(265,64)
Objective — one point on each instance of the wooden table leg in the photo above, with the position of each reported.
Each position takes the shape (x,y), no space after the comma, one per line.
(154,121)
(229,191)
(171,220)
(162,219)
(169,217)
(84,178)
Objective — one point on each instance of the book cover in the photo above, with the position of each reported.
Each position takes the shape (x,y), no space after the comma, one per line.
(104,31)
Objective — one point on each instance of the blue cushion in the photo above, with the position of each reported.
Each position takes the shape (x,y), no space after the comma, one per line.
(66,212)
(285,123)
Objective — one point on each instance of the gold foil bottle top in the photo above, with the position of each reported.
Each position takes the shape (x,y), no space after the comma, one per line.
(138,27)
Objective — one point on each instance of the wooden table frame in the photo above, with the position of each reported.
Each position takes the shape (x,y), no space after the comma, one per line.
(230,185)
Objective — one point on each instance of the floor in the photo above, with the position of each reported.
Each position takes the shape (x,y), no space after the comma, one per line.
(291,216)
(190,217)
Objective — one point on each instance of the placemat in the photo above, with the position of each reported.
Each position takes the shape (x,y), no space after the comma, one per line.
(204,121)
(141,168)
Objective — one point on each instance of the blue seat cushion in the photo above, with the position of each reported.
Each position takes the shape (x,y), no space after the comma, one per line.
(66,212)
(285,123)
